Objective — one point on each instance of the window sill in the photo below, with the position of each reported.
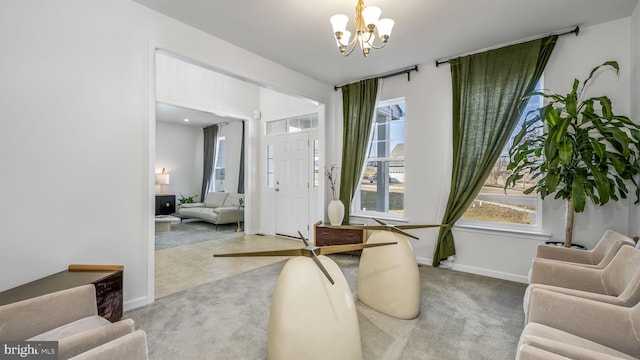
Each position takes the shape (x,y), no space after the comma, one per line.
(383,217)
(524,234)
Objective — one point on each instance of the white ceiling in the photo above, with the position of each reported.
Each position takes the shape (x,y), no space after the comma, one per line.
(298,35)
(176,114)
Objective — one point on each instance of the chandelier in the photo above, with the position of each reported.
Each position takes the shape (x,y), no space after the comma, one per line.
(366,24)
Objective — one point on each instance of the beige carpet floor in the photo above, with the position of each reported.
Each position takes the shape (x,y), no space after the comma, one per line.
(462,316)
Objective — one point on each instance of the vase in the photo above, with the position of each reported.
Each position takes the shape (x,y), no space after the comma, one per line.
(335,210)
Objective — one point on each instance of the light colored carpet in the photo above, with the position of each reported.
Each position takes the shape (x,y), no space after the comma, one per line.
(462,316)
(193,231)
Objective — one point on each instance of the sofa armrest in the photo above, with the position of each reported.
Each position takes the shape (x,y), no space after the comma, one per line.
(564,254)
(569,351)
(585,318)
(566,275)
(132,346)
(85,341)
(528,352)
(27,318)
(227,215)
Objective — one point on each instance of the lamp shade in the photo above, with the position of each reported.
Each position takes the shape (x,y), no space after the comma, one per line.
(339,22)
(371,14)
(384,27)
(345,38)
(162,179)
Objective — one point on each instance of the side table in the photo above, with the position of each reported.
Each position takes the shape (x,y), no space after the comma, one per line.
(108,280)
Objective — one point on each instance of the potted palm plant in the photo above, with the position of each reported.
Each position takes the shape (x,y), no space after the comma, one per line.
(577,149)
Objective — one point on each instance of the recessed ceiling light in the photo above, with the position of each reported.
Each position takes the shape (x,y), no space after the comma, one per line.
(186,120)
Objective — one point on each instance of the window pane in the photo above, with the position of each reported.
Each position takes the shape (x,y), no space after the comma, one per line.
(292,125)
(269,166)
(382,184)
(493,205)
(316,164)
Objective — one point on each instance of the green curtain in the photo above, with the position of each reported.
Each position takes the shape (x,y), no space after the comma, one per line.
(208,159)
(488,91)
(359,106)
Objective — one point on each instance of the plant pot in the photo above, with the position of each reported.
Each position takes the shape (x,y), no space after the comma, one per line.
(335,210)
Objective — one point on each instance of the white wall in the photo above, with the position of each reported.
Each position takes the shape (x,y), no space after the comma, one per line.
(428,155)
(77,90)
(634,214)
(179,151)
(196,87)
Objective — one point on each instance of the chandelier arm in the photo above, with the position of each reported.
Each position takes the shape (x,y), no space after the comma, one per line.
(353,41)
(347,53)
(378,47)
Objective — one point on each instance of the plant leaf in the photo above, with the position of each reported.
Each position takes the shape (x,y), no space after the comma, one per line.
(566,151)
(578,197)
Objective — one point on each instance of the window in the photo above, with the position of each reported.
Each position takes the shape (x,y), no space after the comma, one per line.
(381,188)
(292,125)
(316,164)
(270,166)
(218,168)
(513,210)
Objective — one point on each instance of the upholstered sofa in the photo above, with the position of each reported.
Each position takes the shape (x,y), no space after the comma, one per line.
(70,317)
(217,208)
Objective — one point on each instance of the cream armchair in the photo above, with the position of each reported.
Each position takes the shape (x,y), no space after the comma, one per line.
(127,347)
(69,316)
(598,257)
(618,283)
(578,328)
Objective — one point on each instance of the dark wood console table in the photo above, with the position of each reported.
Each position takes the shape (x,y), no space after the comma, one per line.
(106,278)
(325,235)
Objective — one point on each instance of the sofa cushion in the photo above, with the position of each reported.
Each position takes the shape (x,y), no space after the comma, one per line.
(233,199)
(191,212)
(219,210)
(72,328)
(215,199)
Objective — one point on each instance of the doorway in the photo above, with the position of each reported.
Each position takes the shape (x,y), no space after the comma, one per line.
(239,99)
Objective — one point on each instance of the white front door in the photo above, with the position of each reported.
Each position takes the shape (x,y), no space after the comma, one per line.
(291,175)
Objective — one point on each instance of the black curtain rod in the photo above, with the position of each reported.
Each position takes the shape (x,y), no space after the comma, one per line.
(399,72)
(574,31)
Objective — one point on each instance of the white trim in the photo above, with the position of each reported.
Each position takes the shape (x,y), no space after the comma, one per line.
(480,271)
(151,162)
(531,235)
(136,303)
(380,216)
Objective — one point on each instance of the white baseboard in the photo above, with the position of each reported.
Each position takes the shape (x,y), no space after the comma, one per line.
(136,303)
(480,271)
